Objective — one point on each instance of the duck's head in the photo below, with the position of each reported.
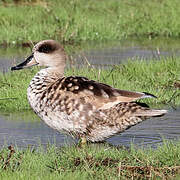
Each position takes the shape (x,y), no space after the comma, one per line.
(48,53)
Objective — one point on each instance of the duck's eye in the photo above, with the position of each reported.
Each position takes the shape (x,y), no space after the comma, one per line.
(46,48)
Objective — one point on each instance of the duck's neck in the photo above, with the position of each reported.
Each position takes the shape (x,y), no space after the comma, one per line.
(54,72)
(44,78)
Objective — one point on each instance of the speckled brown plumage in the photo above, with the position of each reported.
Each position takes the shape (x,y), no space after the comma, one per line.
(76,105)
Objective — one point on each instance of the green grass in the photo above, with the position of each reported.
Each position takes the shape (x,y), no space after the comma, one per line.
(159,77)
(82,20)
(95,161)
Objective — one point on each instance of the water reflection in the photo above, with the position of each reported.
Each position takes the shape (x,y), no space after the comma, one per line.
(24,129)
(152,132)
(116,52)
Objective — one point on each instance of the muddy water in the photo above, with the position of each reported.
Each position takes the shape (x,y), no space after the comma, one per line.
(26,129)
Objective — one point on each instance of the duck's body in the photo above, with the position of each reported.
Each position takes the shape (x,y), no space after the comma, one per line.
(78,106)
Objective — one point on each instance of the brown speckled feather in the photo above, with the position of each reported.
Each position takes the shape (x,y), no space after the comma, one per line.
(98,94)
(76,105)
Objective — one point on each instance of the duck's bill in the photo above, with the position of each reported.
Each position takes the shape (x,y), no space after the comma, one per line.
(30,61)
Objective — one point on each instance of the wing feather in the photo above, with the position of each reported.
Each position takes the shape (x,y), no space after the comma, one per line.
(100,95)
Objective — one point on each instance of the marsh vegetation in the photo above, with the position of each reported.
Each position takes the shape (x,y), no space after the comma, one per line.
(92,162)
(25,21)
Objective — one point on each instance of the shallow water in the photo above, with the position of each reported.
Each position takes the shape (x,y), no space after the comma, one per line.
(117,52)
(26,129)
(103,53)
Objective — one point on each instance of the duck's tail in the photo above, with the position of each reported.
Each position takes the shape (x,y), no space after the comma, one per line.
(151,113)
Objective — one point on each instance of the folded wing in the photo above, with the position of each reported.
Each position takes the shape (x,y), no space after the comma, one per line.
(98,94)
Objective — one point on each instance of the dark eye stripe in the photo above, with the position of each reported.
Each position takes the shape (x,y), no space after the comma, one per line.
(46,48)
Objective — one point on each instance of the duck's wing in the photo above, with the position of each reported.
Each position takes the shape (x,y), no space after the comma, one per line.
(100,95)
